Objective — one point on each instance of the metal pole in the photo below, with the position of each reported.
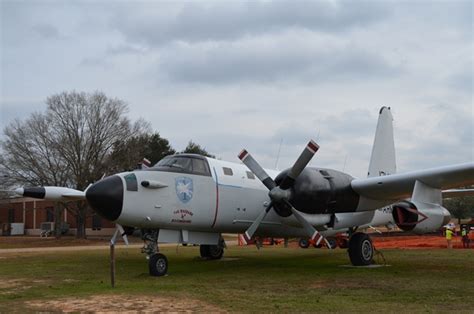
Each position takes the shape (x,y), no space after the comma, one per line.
(112,265)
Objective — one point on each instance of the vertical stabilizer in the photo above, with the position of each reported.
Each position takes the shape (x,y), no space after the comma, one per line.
(382,161)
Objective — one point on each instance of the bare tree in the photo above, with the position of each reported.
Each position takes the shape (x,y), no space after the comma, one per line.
(68,145)
(28,155)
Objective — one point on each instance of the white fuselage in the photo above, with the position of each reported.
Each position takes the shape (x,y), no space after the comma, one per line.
(225,202)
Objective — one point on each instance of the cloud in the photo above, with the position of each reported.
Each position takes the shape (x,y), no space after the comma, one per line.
(247,74)
(217,21)
(303,56)
(445,137)
(123,49)
(462,80)
(47,31)
(96,62)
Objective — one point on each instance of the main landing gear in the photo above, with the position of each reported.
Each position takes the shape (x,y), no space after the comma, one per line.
(361,250)
(212,251)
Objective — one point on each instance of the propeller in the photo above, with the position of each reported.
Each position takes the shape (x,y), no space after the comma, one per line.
(280,194)
(119,229)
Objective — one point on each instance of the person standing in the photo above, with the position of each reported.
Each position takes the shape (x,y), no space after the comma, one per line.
(465,237)
(449,237)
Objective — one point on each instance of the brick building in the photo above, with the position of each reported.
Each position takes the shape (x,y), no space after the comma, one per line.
(33,212)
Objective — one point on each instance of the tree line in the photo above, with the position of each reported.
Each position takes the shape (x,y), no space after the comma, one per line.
(79,138)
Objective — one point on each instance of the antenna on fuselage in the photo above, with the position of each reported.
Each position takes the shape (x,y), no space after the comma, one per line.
(278,154)
(345,161)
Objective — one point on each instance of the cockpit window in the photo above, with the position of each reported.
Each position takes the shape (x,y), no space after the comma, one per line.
(176,162)
(192,164)
(131,182)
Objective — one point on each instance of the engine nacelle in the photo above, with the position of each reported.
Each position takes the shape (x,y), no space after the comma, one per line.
(420,217)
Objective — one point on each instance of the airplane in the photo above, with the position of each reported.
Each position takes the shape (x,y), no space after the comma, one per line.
(192,199)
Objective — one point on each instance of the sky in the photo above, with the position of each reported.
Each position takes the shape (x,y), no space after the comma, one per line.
(267,76)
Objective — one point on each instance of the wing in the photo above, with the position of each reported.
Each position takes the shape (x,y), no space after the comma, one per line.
(400,186)
(458,193)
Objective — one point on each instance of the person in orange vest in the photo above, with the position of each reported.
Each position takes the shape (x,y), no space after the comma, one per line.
(465,237)
(449,237)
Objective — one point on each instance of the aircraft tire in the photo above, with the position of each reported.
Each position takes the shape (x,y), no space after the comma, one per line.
(158,265)
(211,251)
(216,252)
(361,250)
(303,243)
(204,251)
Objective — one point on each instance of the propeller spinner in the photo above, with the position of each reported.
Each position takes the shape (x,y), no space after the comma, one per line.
(280,194)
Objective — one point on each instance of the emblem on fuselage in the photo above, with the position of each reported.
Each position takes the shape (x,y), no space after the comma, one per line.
(184,189)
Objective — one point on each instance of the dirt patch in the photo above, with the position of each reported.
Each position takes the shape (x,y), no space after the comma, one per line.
(12,283)
(415,242)
(124,303)
(12,286)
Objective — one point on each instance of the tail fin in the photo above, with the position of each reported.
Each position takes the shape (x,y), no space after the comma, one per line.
(382,161)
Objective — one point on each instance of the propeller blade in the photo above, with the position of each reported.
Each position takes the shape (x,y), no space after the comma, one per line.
(310,230)
(119,229)
(328,244)
(253,165)
(114,237)
(122,232)
(299,165)
(254,226)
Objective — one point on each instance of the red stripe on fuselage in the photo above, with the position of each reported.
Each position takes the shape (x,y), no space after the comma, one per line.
(217,199)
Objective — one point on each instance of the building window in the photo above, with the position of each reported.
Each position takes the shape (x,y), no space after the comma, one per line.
(228,171)
(49,214)
(250,175)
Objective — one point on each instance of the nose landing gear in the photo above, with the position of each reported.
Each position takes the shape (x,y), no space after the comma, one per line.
(157,262)
(158,265)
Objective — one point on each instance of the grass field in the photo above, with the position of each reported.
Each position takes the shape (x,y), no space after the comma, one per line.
(247,280)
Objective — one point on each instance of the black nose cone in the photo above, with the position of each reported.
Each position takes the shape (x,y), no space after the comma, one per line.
(106,197)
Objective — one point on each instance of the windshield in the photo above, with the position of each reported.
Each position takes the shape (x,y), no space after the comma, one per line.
(176,162)
(184,164)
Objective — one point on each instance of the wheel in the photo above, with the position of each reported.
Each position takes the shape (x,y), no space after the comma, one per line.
(304,243)
(216,251)
(332,243)
(158,265)
(211,251)
(361,250)
(204,251)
